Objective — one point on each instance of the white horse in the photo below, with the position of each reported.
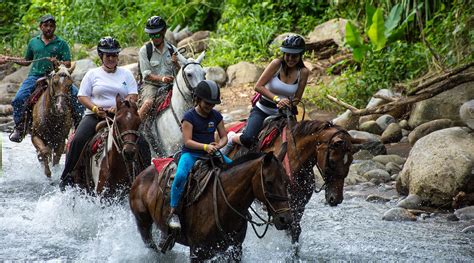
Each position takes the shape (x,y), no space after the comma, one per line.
(166,128)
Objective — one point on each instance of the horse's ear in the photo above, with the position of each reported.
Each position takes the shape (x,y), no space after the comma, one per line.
(201,57)
(268,158)
(283,151)
(181,59)
(71,69)
(118,100)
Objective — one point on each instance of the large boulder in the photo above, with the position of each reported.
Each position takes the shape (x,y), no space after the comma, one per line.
(217,74)
(427,128)
(439,166)
(243,73)
(82,66)
(333,29)
(18,76)
(195,43)
(128,55)
(442,106)
(466,112)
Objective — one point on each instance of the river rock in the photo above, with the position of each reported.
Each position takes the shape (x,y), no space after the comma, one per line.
(371,127)
(442,106)
(404,124)
(393,168)
(377,199)
(398,214)
(410,202)
(374,147)
(217,74)
(132,67)
(466,213)
(393,133)
(128,55)
(346,120)
(365,166)
(243,73)
(384,159)
(82,66)
(377,176)
(364,135)
(6,109)
(385,120)
(353,178)
(18,76)
(439,166)
(427,128)
(195,43)
(333,29)
(362,155)
(466,112)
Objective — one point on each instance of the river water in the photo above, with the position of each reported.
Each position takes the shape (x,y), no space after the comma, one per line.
(40,223)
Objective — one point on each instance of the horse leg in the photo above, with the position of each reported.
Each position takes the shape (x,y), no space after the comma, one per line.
(235,254)
(57,154)
(144,222)
(43,153)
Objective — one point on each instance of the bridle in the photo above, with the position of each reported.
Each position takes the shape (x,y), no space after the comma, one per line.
(327,177)
(55,95)
(266,195)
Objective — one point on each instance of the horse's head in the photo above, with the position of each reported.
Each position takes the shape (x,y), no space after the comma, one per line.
(60,88)
(333,158)
(270,187)
(126,124)
(191,73)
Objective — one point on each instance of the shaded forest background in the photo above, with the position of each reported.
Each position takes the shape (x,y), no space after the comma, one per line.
(392,41)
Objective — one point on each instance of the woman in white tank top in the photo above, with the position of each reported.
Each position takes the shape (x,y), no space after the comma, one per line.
(284,79)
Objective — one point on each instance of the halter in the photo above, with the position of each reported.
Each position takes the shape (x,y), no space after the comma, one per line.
(248,217)
(188,86)
(325,176)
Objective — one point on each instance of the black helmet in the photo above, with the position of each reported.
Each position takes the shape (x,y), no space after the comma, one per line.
(208,91)
(108,45)
(154,25)
(293,44)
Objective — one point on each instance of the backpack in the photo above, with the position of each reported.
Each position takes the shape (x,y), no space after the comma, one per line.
(149,53)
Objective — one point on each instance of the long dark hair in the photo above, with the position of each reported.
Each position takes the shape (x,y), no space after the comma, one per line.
(299,65)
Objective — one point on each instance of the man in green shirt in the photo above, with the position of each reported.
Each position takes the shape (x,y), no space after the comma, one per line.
(44,51)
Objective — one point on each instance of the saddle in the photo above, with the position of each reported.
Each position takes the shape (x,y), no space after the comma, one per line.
(203,170)
(27,119)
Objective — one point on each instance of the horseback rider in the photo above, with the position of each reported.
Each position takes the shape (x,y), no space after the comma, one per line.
(97,93)
(198,125)
(45,51)
(157,65)
(282,81)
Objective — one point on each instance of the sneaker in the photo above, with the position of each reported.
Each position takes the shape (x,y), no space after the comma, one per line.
(174,222)
(16,135)
(230,144)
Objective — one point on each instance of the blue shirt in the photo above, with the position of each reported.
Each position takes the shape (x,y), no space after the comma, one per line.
(203,128)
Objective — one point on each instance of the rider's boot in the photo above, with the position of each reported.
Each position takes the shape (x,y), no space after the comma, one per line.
(17,134)
(230,144)
(173,221)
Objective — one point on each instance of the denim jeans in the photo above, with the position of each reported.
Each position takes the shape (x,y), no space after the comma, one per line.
(24,92)
(253,127)
(186,162)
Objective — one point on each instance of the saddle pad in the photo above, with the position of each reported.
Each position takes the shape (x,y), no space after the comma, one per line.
(269,138)
(160,163)
(237,127)
(166,103)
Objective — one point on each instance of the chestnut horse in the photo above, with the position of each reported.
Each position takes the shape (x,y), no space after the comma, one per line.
(111,170)
(218,218)
(311,143)
(52,118)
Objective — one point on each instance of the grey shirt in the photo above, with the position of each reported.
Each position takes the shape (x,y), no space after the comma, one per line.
(160,63)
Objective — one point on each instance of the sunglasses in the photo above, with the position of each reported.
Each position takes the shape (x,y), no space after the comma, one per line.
(155,35)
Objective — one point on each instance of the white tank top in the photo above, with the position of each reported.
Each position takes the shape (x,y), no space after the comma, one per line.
(281,89)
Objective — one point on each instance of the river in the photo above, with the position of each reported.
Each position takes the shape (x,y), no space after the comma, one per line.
(40,223)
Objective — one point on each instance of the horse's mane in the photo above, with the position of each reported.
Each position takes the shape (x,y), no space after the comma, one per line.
(306,127)
(244,158)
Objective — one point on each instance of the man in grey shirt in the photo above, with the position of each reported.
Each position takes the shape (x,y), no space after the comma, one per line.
(157,70)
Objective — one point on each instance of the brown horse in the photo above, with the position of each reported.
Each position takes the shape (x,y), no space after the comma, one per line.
(218,218)
(311,143)
(111,169)
(52,118)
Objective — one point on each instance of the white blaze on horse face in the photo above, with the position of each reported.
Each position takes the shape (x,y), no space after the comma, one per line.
(129,116)
(346,158)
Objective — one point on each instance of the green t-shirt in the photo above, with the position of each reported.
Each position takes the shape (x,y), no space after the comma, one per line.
(57,48)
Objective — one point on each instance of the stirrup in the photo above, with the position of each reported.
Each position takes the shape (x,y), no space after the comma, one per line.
(174,223)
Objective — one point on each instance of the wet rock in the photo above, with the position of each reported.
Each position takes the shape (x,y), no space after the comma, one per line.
(393,133)
(384,159)
(363,155)
(377,199)
(405,132)
(393,168)
(365,166)
(374,147)
(466,213)
(371,127)
(404,139)
(385,120)
(395,176)
(410,202)
(353,177)
(469,229)
(404,125)
(398,214)
(378,175)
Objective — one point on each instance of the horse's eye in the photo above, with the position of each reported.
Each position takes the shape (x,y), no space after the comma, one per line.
(189,75)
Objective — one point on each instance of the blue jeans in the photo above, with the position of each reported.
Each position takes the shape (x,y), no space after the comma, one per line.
(185,164)
(25,90)
(253,127)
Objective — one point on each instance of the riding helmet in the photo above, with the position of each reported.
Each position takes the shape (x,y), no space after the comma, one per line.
(108,45)
(293,44)
(154,25)
(208,91)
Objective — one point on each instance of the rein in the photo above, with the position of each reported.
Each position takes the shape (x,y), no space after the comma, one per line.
(15,60)
(247,217)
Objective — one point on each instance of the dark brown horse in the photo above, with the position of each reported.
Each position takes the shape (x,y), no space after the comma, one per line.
(52,118)
(311,143)
(110,162)
(218,218)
